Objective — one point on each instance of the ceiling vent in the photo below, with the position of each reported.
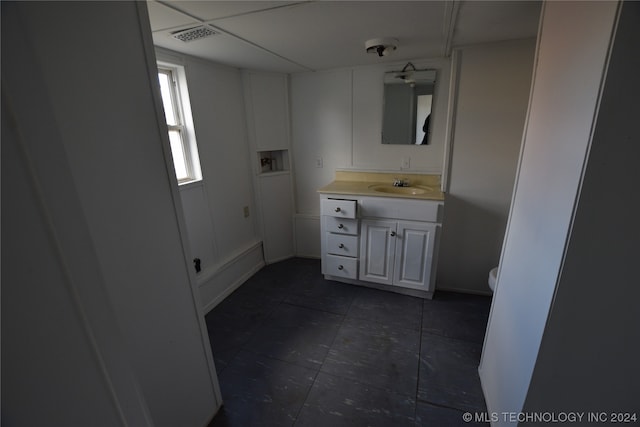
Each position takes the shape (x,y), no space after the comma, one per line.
(195,33)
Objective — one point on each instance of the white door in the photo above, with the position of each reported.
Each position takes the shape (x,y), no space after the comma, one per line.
(414,254)
(377,251)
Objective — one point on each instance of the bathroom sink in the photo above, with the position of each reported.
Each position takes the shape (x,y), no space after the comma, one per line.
(387,188)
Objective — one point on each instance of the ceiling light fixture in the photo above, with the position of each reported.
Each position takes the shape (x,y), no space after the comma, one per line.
(382,46)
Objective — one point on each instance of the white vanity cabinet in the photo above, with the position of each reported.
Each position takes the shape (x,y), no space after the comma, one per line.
(383,242)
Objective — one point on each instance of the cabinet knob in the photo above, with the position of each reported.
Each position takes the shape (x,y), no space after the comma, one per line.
(341,246)
(338,209)
(340,226)
(340,267)
(393,234)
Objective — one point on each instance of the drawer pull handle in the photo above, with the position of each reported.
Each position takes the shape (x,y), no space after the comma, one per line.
(340,226)
(393,234)
(338,209)
(341,246)
(340,267)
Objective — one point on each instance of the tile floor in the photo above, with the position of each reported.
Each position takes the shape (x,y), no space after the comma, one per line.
(292,349)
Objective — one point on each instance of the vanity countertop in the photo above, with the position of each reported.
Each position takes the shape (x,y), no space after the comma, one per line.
(421,187)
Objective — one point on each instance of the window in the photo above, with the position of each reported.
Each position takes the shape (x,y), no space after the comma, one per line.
(177,111)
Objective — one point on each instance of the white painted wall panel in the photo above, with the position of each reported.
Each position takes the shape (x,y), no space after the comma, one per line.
(199,223)
(493,89)
(589,352)
(219,119)
(57,343)
(307,234)
(100,89)
(571,56)
(277,211)
(269,107)
(321,128)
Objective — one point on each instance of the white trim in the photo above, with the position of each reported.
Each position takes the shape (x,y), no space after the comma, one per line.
(449,134)
(224,278)
(152,70)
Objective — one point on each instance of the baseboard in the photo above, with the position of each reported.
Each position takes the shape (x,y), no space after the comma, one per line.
(463,290)
(395,289)
(218,282)
(282,258)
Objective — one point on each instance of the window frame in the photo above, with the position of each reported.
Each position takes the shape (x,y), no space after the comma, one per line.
(184,122)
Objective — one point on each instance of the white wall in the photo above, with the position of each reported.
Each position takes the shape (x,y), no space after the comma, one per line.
(267,110)
(82,94)
(226,242)
(571,56)
(51,356)
(588,358)
(336,118)
(492,94)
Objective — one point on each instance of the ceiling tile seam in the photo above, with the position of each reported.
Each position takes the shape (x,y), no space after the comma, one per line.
(252,12)
(177,27)
(222,31)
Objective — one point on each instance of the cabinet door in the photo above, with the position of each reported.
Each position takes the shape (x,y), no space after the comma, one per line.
(414,255)
(377,251)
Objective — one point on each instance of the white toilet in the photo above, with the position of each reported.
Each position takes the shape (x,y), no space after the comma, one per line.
(492,278)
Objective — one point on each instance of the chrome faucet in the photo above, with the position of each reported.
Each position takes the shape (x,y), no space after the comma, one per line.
(399,182)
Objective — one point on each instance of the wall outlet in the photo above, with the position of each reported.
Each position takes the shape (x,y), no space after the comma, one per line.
(246,211)
(406,163)
(318,162)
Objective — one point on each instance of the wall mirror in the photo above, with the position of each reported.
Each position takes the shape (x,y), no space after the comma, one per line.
(407,109)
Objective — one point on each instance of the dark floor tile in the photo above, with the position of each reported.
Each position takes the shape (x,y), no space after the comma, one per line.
(457,316)
(227,334)
(231,327)
(259,391)
(379,355)
(320,294)
(296,334)
(266,281)
(373,350)
(253,303)
(336,402)
(387,308)
(478,304)
(449,373)
(436,416)
(294,269)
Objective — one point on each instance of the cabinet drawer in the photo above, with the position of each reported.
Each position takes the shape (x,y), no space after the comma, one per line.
(342,266)
(338,208)
(340,244)
(340,225)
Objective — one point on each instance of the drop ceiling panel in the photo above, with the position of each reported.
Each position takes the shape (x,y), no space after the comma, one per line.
(162,17)
(210,10)
(316,35)
(490,21)
(226,50)
(323,35)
